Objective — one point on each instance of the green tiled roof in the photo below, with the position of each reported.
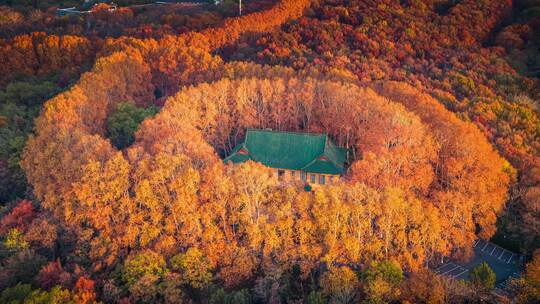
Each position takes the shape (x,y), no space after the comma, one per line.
(308,152)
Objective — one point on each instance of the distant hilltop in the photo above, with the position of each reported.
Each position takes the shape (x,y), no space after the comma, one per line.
(91,6)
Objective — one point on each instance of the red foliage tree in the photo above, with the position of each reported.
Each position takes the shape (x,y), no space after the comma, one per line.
(20,217)
(53,274)
(84,292)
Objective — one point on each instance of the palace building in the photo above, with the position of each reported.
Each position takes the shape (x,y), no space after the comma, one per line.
(308,157)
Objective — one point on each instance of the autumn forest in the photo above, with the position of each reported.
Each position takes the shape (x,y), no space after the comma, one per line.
(114,123)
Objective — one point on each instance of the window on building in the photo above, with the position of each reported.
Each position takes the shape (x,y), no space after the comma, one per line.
(303,176)
(331,179)
(322,179)
(293,174)
(280,174)
(312,178)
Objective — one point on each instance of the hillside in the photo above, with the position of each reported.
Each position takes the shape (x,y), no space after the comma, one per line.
(117,192)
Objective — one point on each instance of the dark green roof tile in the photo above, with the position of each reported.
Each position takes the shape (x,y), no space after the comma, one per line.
(290,150)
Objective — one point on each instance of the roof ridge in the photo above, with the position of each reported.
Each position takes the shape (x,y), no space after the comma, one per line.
(290,132)
(310,163)
(331,145)
(316,160)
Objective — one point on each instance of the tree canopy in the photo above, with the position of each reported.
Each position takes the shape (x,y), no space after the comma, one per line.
(124,122)
(126,198)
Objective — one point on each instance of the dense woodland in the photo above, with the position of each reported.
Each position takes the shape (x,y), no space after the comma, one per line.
(116,192)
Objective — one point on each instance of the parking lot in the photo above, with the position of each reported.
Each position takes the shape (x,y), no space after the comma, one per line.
(504,263)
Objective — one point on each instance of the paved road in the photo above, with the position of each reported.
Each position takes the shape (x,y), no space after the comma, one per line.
(505,264)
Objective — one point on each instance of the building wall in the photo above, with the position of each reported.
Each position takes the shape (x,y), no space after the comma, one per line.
(310,178)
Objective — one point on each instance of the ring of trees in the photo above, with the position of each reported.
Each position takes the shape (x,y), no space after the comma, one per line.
(423,182)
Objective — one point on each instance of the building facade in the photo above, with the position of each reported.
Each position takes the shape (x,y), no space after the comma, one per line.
(309,158)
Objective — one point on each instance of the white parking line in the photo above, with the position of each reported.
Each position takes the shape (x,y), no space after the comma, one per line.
(445,266)
(476,243)
(458,275)
(501,255)
(493,250)
(441,268)
(450,270)
(485,246)
(510,259)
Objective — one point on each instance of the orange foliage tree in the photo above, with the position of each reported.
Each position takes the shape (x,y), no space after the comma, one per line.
(170,192)
(422,184)
(39,54)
